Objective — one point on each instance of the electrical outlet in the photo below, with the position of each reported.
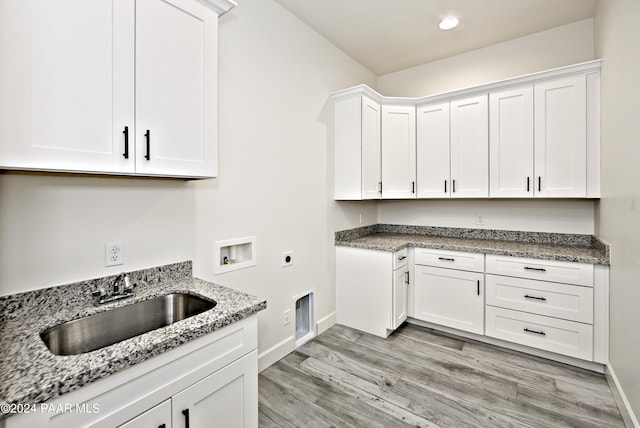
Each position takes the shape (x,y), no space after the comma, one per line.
(287,258)
(114,254)
(480,219)
(286,317)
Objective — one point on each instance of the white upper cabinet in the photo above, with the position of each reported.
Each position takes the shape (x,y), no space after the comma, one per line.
(469,147)
(561,137)
(357,148)
(530,136)
(67,85)
(176,94)
(74,72)
(398,151)
(511,143)
(432,148)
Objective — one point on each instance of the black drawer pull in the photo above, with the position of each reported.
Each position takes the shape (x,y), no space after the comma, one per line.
(402,258)
(147,136)
(526,296)
(446,259)
(185,412)
(162,426)
(126,142)
(541,333)
(536,269)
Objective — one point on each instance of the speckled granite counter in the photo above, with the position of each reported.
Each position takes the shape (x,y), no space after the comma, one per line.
(30,374)
(547,246)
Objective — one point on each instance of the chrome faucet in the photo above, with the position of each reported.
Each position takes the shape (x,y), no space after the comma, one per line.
(120,289)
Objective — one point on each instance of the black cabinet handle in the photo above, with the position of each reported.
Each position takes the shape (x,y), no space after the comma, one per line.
(413,187)
(445,186)
(401,258)
(406,277)
(478,287)
(446,259)
(126,142)
(380,187)
(526,296)
(539,183)
(147,136)
(453,186)
(536,269)
(185,412)
(541,333)
(162,426)
(528,189)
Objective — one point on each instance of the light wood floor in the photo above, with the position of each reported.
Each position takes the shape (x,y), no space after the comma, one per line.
(417,377)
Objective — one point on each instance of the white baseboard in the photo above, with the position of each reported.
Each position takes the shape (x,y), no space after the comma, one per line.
(326,322)
(624,406)
(288,345)
(276,353)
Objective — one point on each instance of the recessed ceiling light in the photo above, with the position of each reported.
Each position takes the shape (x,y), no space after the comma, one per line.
(449,22)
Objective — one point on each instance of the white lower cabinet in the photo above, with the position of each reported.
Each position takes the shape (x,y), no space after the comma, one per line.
(371,289)
(159,416)
(208,382)
(449,297)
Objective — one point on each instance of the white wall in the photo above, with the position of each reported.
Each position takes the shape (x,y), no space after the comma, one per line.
(276,160)
(553,48)
(275,183)
(560,216)
(565,45)
(53,228)
(617,37)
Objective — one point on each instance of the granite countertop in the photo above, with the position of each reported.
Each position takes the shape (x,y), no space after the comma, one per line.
(546,246)
(31,374)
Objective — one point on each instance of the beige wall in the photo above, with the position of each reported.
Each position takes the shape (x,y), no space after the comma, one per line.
(617,39)
(565,45)
(561,46)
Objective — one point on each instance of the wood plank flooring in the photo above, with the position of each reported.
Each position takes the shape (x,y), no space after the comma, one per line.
(418,377)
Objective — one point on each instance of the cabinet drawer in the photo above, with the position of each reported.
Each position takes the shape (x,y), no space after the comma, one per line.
(550,334)
(450,259)
(400,259)
(570,302)
(545,270)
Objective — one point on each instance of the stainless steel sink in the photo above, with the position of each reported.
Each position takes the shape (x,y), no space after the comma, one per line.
(113,326)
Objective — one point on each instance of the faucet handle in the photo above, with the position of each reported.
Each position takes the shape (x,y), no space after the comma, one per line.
(99,292)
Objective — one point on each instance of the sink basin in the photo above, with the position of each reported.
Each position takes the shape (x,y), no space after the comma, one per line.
(113,326)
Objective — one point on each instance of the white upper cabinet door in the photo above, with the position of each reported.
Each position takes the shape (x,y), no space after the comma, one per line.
(560,137)
(67,85)
(469,147)
(176,88)
(398,152)
(371,150)
(511,143)
(432,148)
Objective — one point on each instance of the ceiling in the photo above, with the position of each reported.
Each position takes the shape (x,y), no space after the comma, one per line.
(391,35)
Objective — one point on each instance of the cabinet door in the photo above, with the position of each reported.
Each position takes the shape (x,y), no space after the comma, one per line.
(398,152)
(176,88)
(364,289)
(432,151)
(470,148)
(400,295)
(371,149)
(449,297)
(157,417)
(561,138)
(67,85)
(511,143)
(227,398)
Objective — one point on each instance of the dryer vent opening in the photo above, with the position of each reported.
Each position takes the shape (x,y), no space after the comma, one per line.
(305,319)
